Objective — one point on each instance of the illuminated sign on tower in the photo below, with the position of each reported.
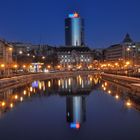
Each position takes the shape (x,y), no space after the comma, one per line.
(74,15)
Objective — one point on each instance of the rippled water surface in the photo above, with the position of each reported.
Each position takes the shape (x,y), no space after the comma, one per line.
(74,108)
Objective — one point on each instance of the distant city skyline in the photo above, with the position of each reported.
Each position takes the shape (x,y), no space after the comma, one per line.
(42,22)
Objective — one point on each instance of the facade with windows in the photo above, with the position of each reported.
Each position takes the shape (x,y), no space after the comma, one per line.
(6,61)
(74,30)
(74,57)
(114,52)
(128,50)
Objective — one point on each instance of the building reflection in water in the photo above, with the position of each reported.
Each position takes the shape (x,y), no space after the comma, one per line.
(76,111)
(74,89)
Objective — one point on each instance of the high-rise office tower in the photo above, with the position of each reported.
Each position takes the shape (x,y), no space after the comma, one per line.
(74,30)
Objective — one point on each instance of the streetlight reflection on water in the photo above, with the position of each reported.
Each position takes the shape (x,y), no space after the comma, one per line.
(75,90)
(119,93)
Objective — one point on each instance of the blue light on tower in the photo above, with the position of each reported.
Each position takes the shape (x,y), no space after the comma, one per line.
(74,30)
(73,15)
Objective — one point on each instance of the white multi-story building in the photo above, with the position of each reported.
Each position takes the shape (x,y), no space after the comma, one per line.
(73,57)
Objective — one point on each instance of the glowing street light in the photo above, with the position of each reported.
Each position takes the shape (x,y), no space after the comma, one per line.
(2,65)
(49,66)
(15,66)
(10,49)
(16,97)
(20,52)
(43,57)
(3,104)
(127,63)
(24,66)
(128,49)
(58,66)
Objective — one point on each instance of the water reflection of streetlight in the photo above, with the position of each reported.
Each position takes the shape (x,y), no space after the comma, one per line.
(128,103)
(104,88)
(59,82)
(16,97)
(31,89)
(69,82)
(39,85)
(109,91)
(49,84)
(11,105)
(117,96)
(24,92)
(105,83)
(21,99)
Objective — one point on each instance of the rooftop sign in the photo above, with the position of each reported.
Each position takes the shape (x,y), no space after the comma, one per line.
(74,15)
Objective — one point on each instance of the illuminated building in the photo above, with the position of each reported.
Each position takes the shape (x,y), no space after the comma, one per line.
(127,50)
(74,30)
(5,58)
(75,53)
(74,56)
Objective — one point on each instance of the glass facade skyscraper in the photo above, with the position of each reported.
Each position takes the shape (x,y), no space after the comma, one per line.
(74,30)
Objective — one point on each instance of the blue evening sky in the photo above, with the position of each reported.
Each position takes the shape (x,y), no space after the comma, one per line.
(42,21)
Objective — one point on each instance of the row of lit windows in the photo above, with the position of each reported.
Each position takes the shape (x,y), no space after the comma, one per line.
(73,60)
(66,56)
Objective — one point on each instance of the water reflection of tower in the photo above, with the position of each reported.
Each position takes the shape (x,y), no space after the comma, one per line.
(75,111)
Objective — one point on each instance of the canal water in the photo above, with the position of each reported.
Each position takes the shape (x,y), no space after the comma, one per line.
(74,108)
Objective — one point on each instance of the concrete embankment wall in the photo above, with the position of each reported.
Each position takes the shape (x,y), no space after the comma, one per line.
(130,82)
(26,79)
